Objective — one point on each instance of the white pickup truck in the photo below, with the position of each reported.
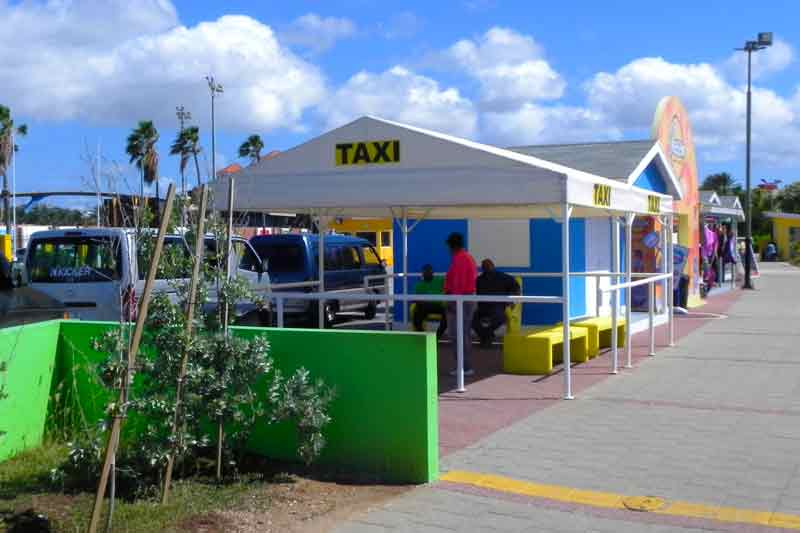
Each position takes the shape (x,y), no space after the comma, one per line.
(94,272)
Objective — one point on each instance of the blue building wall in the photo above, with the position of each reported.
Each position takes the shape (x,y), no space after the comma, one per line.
(651,179)
(426,245)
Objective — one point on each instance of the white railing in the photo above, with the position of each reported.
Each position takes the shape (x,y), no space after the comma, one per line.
(459,300)
(279,294)
(650,281)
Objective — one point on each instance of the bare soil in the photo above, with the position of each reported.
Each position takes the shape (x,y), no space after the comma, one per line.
(295,505)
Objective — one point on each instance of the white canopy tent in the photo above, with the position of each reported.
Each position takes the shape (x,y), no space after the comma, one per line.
(377,168)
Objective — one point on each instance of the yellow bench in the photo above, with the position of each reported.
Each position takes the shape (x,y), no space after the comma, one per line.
(598,330)
(433,317)
(533,350)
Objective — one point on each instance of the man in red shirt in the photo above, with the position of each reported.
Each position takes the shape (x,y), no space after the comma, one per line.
(460,279)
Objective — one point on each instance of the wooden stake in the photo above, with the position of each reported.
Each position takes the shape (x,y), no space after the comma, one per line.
(226,308)
(190,305)
(119,413)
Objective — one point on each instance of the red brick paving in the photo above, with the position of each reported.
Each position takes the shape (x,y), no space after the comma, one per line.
(494,400)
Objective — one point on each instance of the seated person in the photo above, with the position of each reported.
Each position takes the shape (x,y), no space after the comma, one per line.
(771,252)
(429,284)
(492,315)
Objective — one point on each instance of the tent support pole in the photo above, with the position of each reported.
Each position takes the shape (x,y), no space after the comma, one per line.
(665,264)
(566,211)
(321,227)
(629,217)
(671,283)
(404,227)
(614,294)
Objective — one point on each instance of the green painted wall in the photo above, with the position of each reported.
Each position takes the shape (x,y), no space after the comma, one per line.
(385,411)
(384,414)
(29,354)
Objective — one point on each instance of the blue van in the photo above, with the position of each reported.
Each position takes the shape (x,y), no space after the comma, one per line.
(348,260)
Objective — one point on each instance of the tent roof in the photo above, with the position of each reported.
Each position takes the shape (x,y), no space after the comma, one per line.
(437,175)
(730,201)
(709,198)
(713,204)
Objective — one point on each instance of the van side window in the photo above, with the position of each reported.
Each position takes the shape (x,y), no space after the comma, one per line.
(333,259)
(386,238)
(350,258)
(370,257)
(247,258)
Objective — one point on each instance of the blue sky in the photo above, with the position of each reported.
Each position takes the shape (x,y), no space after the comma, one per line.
(499,72)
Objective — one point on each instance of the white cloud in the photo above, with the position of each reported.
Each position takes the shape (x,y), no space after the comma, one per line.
(628,98)
(768,61)
(316,33)
(401,95)
(140,63)
(509,66)
(536,124)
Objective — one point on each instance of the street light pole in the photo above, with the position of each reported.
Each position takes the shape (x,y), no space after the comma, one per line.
(764,40)
(215,88)
(748,241)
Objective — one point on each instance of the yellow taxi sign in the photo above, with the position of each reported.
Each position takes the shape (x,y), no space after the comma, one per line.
(602,195)
(367,152)
(653,204)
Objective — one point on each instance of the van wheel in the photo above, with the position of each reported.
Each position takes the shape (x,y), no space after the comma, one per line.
(329,314)
(371,310)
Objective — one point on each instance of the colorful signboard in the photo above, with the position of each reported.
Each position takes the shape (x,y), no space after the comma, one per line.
(671,128)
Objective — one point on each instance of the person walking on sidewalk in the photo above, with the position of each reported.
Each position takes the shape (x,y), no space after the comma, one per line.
(460,279)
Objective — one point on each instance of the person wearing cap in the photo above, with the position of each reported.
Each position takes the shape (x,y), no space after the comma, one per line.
(492,315)
(460,279)
(429,284)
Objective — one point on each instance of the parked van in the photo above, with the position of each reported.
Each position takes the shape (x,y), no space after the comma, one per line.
(94,272)
(348,260)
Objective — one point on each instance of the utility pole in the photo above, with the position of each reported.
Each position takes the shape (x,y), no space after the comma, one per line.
(14,195)
(97,183)
(764,40)
(183,116)
(215,88)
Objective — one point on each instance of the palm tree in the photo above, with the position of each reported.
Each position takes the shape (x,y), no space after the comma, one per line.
(142,149)
(7,149)
(252,148)
(187,144)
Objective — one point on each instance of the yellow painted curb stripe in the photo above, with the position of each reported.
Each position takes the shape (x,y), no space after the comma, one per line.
(610,500)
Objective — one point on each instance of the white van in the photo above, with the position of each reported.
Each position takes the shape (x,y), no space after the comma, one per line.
(95,272)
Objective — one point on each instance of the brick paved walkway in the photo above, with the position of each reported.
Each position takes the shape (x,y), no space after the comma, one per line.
(714,421)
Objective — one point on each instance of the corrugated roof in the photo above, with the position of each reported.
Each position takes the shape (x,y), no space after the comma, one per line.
(615,160)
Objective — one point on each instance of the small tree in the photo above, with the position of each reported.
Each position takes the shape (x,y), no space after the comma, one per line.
(222,397)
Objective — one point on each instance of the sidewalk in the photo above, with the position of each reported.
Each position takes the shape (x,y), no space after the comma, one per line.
(711,427)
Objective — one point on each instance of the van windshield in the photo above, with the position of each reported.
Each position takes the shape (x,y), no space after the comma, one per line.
(283,257)
(75,259)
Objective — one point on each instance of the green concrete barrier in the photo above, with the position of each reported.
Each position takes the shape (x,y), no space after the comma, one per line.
(385,412)
(384,415)
(27,357)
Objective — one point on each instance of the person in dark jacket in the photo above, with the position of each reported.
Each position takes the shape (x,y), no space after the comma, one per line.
(492,315)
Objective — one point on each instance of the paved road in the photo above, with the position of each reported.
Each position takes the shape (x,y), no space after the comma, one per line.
(713,422)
